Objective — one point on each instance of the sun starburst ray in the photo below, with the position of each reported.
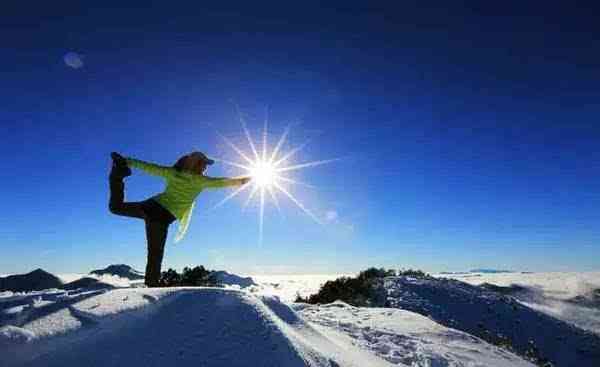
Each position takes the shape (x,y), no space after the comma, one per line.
(237,150)
(264,140)
(289,154)
(233,164)
(246,132)
(252,193)
(251,142)
(230,196)
(266,168)
(307,164)
(279,144)
(262,216)
(298,203)
(295,182)
(274,198)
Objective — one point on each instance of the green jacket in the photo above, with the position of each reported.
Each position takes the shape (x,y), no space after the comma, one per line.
(181,191)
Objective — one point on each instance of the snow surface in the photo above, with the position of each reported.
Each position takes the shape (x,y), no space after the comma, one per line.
(556,294)
(256,323)
(173,326)
(223,327)
(401,336)
(495,317)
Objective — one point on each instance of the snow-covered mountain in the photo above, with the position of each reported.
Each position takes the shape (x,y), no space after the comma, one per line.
(224,278)
(496,318)
(120,270)
(39,280)
(571,297)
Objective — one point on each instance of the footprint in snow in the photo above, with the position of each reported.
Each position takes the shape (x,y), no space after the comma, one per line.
(149,298)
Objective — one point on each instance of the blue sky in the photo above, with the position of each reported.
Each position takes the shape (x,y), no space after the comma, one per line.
(468,136)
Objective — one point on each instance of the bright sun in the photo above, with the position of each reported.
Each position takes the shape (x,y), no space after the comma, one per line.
(268,167)
(263,173)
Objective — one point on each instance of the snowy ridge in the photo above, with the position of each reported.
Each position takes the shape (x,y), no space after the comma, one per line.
(496,318)
(157,327)
(571,297)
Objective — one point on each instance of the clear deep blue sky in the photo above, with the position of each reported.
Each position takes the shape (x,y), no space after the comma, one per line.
(469,135)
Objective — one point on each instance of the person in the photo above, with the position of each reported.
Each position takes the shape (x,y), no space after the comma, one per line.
(184,181)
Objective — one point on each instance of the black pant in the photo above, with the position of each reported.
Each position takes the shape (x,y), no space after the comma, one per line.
(157,220)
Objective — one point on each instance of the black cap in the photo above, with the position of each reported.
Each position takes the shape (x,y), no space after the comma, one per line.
(202,157)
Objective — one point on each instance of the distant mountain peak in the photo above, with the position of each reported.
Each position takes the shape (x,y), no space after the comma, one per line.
(36,280)
(224,278)
(121,270)
(38,271)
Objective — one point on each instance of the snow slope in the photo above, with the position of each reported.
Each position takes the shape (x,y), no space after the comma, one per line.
(223,327)
(173,326)
(401,336)
(230,327)
(561,295)
(495,317)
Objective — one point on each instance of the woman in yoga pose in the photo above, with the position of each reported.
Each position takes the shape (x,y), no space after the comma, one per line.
(185,180)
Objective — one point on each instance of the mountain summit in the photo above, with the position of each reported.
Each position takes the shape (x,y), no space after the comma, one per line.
(36,280)
(121,270)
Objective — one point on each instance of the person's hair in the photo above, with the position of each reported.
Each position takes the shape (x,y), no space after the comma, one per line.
(180,163)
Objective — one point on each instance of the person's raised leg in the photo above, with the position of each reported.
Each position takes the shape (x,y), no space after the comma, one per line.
(117,204)
(156,235)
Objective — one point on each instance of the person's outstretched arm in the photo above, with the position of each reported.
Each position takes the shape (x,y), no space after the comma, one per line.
(216,182)
(150,168)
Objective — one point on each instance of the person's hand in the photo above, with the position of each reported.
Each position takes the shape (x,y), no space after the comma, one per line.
(244,180)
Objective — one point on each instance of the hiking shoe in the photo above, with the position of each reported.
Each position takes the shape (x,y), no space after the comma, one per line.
(119,167)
